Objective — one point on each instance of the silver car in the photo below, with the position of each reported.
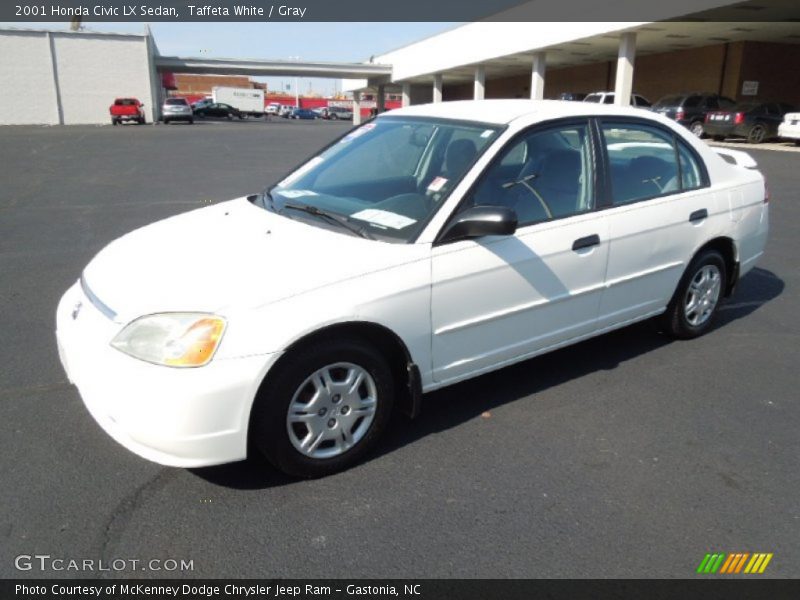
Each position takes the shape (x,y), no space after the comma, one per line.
(176,109)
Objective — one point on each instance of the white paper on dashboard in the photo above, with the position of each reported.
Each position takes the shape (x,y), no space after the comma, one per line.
(297,193)
(384,218)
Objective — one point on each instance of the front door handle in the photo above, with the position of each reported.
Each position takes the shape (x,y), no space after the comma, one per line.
(586,242)
(698,215)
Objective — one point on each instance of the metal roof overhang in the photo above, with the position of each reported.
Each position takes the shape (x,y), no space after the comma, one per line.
(651,38)
(256,67)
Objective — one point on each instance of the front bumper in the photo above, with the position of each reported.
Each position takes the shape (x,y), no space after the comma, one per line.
(179,417)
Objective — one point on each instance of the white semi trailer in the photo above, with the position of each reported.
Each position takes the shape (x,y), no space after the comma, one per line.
(248,101)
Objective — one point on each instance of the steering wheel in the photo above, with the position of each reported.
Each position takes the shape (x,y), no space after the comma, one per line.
(538,196)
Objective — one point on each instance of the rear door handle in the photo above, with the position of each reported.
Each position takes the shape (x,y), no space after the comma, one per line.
(698,215)
(586,242)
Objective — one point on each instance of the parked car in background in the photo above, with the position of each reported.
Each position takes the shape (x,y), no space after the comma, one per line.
(217,110)
(690,109)
(302,113)
(336,113)
(431,245)
(754,121)
(202,103)
(572,96)
(273,108)
(127,109)
(286,111)
(608,98)
(789,129)
(176,109)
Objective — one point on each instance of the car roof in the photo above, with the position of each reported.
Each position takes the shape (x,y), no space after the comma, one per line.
(502,112)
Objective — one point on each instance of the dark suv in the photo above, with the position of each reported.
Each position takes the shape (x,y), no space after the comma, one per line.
(690,109)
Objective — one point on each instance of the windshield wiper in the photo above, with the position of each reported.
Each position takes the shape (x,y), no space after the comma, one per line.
(331,217)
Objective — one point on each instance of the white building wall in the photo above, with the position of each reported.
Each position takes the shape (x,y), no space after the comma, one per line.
(27,90)
(93,70)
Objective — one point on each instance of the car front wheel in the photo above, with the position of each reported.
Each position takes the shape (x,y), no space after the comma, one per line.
(323,408)
(693,307)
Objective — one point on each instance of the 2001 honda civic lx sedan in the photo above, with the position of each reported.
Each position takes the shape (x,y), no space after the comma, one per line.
(430,245)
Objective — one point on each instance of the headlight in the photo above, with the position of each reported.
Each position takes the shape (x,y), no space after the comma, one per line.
(172,339)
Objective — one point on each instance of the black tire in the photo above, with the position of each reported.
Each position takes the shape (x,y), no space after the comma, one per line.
(268,422)
(697,129)
(114,121)
(191,121)
(675,321)
(797,142)
(757,134)
(718,138)
(166,121)
(142,121)
(334,117)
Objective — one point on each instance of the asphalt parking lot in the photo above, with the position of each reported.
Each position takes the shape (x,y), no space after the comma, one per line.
(626,456)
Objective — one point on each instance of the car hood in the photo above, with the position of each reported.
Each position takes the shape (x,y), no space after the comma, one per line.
(228,256)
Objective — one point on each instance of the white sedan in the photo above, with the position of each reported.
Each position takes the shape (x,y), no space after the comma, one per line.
(428,246)
(789,129)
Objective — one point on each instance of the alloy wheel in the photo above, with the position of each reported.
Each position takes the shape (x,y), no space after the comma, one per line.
(702,295)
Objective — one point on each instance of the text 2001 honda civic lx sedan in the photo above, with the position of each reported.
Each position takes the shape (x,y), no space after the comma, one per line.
(430,245)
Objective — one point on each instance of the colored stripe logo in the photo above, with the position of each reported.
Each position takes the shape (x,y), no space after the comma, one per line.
(734,563)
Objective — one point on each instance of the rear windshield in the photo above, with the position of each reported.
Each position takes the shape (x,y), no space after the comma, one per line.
(173,101)
(125,102)
(670,101)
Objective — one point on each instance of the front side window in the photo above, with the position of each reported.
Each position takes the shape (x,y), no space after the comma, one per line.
(643,162)
(544,175)
(386,177)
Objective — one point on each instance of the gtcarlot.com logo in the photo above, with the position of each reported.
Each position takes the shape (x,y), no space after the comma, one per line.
(46,562)
(734,563)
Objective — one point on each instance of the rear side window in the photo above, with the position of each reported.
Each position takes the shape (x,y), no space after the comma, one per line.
(692,101)
(645,163)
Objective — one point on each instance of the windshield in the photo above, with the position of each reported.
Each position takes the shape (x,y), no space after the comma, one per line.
(388,176)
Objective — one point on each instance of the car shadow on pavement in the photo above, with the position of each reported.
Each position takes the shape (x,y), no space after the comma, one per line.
(462,402)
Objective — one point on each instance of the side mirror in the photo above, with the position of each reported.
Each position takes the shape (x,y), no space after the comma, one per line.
(479,221)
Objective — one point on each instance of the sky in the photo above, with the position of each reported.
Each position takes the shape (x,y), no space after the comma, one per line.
(347,42)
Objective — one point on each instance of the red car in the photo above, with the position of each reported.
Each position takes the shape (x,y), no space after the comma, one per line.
(127,109)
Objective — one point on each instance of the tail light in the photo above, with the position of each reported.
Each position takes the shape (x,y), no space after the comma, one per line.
(679,115)
(739,119)
(708,117)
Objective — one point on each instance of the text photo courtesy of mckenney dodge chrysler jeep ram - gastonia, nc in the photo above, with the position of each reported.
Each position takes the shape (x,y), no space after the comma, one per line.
(430,245)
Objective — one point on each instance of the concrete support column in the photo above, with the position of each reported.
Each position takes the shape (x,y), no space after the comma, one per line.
(437,87)
(537,75)
(623,87)
(380,99)
(59,116)
(406,94)
(480,83)
(356,108)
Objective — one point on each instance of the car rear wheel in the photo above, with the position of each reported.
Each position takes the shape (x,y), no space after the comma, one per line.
(697,128)
(757,134)
(114,121)
(323,408)
(693,307)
